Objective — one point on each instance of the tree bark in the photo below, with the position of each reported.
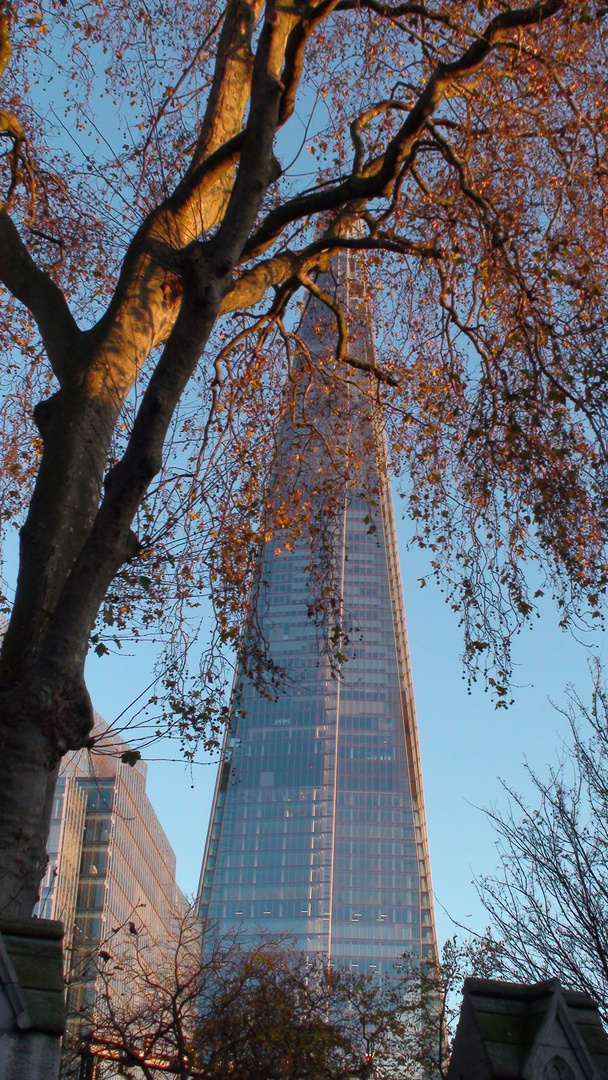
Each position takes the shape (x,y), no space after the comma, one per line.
(28,772)
(45,709)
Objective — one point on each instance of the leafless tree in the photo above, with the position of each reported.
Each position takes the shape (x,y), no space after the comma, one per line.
(549,899)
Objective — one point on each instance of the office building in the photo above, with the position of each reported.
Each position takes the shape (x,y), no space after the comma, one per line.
(318,824)
(110,862)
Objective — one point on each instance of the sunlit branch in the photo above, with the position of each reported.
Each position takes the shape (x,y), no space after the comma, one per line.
(379,175)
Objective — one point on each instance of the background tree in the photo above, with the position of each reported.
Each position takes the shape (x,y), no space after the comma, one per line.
(210,1006)
(438,1006)
(164,203)
(255,1011)
(549,900)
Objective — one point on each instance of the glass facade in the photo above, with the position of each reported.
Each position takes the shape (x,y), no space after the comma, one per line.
(92,894)
(58,888)
(109,861)
(318,827)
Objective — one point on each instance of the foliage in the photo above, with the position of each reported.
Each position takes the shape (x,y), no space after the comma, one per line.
(549,898)
(440,999)
(494,326)
(255,1011)
(205,1005)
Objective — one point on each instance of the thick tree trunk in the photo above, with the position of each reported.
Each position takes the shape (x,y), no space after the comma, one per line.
(29,765)
(78,530)
(45,709)
(76,434)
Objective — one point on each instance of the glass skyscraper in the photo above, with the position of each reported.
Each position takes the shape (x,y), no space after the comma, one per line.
(318,826)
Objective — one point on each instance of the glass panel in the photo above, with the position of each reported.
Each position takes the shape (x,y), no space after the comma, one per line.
(99,794)
(94,861)
(97,829)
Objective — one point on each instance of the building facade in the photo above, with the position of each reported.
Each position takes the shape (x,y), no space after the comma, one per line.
(318,824)
(110,863)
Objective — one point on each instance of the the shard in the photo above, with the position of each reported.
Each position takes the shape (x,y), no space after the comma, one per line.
(318,825)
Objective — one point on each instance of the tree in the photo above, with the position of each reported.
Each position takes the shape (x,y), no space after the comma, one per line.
(247,1011)
(549,899)
(209,1006)
(152,247)
(440,998)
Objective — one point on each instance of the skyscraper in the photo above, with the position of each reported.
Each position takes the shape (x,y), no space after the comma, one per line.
(318,825)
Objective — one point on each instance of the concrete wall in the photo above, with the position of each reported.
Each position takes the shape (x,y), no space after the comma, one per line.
(32,1008)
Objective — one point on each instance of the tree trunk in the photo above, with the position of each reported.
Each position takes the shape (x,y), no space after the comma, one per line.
(29,764)
(45,709)
(76,434)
